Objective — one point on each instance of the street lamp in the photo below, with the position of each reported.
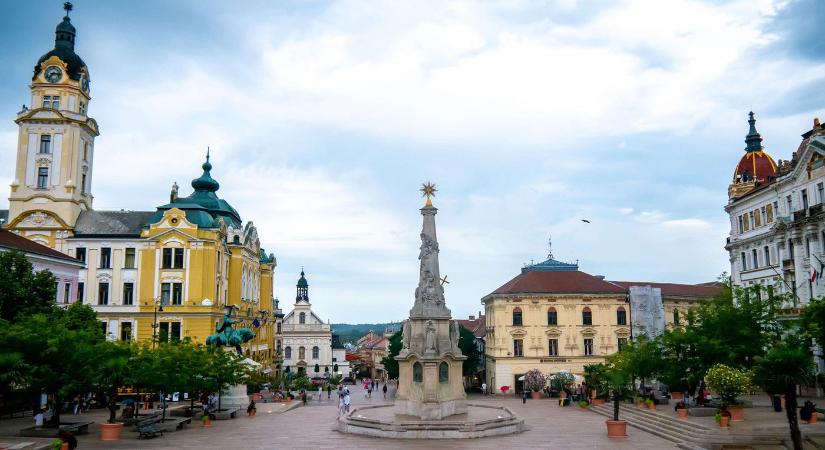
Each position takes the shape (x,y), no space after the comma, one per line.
(158,303)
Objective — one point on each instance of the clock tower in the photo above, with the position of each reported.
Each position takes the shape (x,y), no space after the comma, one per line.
(55,145)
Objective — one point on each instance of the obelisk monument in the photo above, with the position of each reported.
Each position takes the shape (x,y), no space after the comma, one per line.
(430,383)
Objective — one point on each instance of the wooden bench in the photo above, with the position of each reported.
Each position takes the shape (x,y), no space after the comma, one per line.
(226,414)
(174,423)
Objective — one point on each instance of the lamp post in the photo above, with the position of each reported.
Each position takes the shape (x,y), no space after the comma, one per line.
(158,303)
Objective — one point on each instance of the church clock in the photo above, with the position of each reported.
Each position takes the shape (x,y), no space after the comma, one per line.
(53,74)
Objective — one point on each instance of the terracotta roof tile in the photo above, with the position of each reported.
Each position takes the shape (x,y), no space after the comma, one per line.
(11,240)
(674,289)
(571,282)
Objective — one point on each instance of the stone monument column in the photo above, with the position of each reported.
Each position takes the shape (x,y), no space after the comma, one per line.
(430,384)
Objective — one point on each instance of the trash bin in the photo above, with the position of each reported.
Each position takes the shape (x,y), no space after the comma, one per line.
(777,403)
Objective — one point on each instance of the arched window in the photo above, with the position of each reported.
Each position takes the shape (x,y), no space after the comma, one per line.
(316,352)
(302,353)
(418,373)
(552,316)
(587,316)
(302,318)
(443,372)
(288,353)
(243,282)
(675,317)
(621,316)
(517,316)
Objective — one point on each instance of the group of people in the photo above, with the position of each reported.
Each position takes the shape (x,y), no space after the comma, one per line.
(344,401)
(372,385)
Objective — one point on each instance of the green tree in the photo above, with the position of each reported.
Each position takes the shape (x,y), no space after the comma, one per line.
(812,321)
(22,290)
(618,379)
(786,365)
(224,369)
(112,370)
(467,344)
(595,375)
(642,358)
(389,362)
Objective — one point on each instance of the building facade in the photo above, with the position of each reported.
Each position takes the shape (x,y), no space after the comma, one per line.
(777,235)
(64,268)
(307,339)
(165,274)
(553,317)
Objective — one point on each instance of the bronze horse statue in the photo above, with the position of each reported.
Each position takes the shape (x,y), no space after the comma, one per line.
(232,338)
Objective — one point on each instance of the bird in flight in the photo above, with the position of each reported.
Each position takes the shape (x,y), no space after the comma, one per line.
(585,221)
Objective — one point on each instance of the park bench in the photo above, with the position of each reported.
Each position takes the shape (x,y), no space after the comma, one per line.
(149,431)
(76,428)
(226,414)
(174,424)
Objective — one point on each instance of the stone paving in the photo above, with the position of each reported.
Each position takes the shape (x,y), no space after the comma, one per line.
(313,427)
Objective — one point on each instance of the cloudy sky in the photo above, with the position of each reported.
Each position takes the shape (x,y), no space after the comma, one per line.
(324,117)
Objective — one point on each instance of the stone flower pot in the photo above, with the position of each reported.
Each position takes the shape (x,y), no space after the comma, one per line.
(598,401)
(616,428)
(535,395)
(814,419)
(682,413)
(651,406)
(724,421)
(737,414)
(110,431)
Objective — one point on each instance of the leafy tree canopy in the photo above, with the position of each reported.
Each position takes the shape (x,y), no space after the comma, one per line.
(22,290)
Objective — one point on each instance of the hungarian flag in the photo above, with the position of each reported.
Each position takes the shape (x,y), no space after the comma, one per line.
(814,275)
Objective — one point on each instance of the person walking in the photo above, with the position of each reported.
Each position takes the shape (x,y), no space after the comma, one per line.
(320,392)
(347,401)
(483,388)
(524,397)
(385,391)
(329,390)
(304,396)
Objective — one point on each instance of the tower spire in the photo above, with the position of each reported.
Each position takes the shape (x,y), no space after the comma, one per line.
(753,139)
(68,7)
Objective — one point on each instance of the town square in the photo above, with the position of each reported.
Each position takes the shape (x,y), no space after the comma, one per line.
(537,224)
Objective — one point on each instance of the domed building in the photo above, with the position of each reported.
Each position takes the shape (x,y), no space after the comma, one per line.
(163,274)
(777,237)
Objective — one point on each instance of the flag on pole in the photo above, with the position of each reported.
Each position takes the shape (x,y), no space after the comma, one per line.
(814,275)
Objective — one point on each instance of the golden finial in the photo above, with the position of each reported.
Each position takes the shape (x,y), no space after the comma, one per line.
(429,191)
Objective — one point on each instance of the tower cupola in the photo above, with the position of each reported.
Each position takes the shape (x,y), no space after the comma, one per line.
(756,167)
(302,289)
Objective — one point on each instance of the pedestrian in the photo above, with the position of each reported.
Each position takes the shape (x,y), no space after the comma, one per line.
(484,388)
(320,391)
(38,418)
(329,390)
(340,406)
(385,391)
(347,401)
(304,396)
(524,397)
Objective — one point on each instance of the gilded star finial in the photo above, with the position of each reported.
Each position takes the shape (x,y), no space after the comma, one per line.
(429,191)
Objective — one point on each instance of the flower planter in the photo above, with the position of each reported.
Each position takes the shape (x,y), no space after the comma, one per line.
(598,401)
(737,414)
(110,431)
(616,428)
(677,395)
(64,446)
(640,404)
(535,395)
(207,423)
(814,419)
(651,406)
(724,421)
(682,413)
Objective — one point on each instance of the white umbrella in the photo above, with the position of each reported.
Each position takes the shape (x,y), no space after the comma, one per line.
(251,362)
(521,378)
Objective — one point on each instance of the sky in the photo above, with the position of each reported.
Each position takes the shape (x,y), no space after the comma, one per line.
(324,118)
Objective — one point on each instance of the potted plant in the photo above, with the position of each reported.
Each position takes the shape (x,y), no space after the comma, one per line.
(641,402)
(206,420)
(560,382)
(113,372)
(651,405)
(618,384)
(535,381)
(594,376)
(583,404)
(681,410)
(722,417)
(729,384)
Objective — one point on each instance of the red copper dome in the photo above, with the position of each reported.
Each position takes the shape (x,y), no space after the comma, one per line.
(758,166)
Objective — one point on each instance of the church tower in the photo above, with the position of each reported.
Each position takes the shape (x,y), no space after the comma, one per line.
(55,145)
(302,289)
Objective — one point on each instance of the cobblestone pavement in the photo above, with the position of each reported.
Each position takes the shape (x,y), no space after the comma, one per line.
(314,427)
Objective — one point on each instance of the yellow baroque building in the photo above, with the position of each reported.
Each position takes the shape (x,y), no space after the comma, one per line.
(165,274)
(554,317)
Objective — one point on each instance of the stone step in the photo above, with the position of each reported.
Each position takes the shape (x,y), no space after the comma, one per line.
(677,431)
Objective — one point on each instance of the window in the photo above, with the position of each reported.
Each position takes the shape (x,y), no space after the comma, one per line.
(675,317)
(169,332)
(750,216)
(80,292)
(56,291)
(741,225)
(316,352)
(747,222)
(789,200)
(82,108)
(588,347)
(172,258)
(47,101)
(587,316)
(103,294)
(302,318)
(744,261)
(808,247)
(621,316)
(83,184)
(443,372)
(45,143)
(175,331)
(171,293)
(769,210)
(126,331)
(621,343)
(757,219)
(517,316)
(776,208)
(55,102)
(518,347)
(418,373)
(279,328)
(80,254)
(820,190)
(105,258)
(302,353)
(553,347)
(804,198)
(129,258)
(128,293)
(42,177)
(288,353)
(767,251)
(552,316)
(764,214)
(67,291)
(790,249)
(85,151)
(755,258)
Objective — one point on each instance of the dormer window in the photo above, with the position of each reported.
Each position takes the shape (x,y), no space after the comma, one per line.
(45,143)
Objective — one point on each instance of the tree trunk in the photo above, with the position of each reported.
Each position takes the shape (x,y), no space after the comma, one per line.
(56,415)
(615,407)
(790,411)
(163,406)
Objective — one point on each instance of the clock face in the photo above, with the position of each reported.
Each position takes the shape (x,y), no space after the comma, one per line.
(53,74)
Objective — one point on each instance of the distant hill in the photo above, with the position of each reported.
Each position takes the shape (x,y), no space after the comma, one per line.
(351,333)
